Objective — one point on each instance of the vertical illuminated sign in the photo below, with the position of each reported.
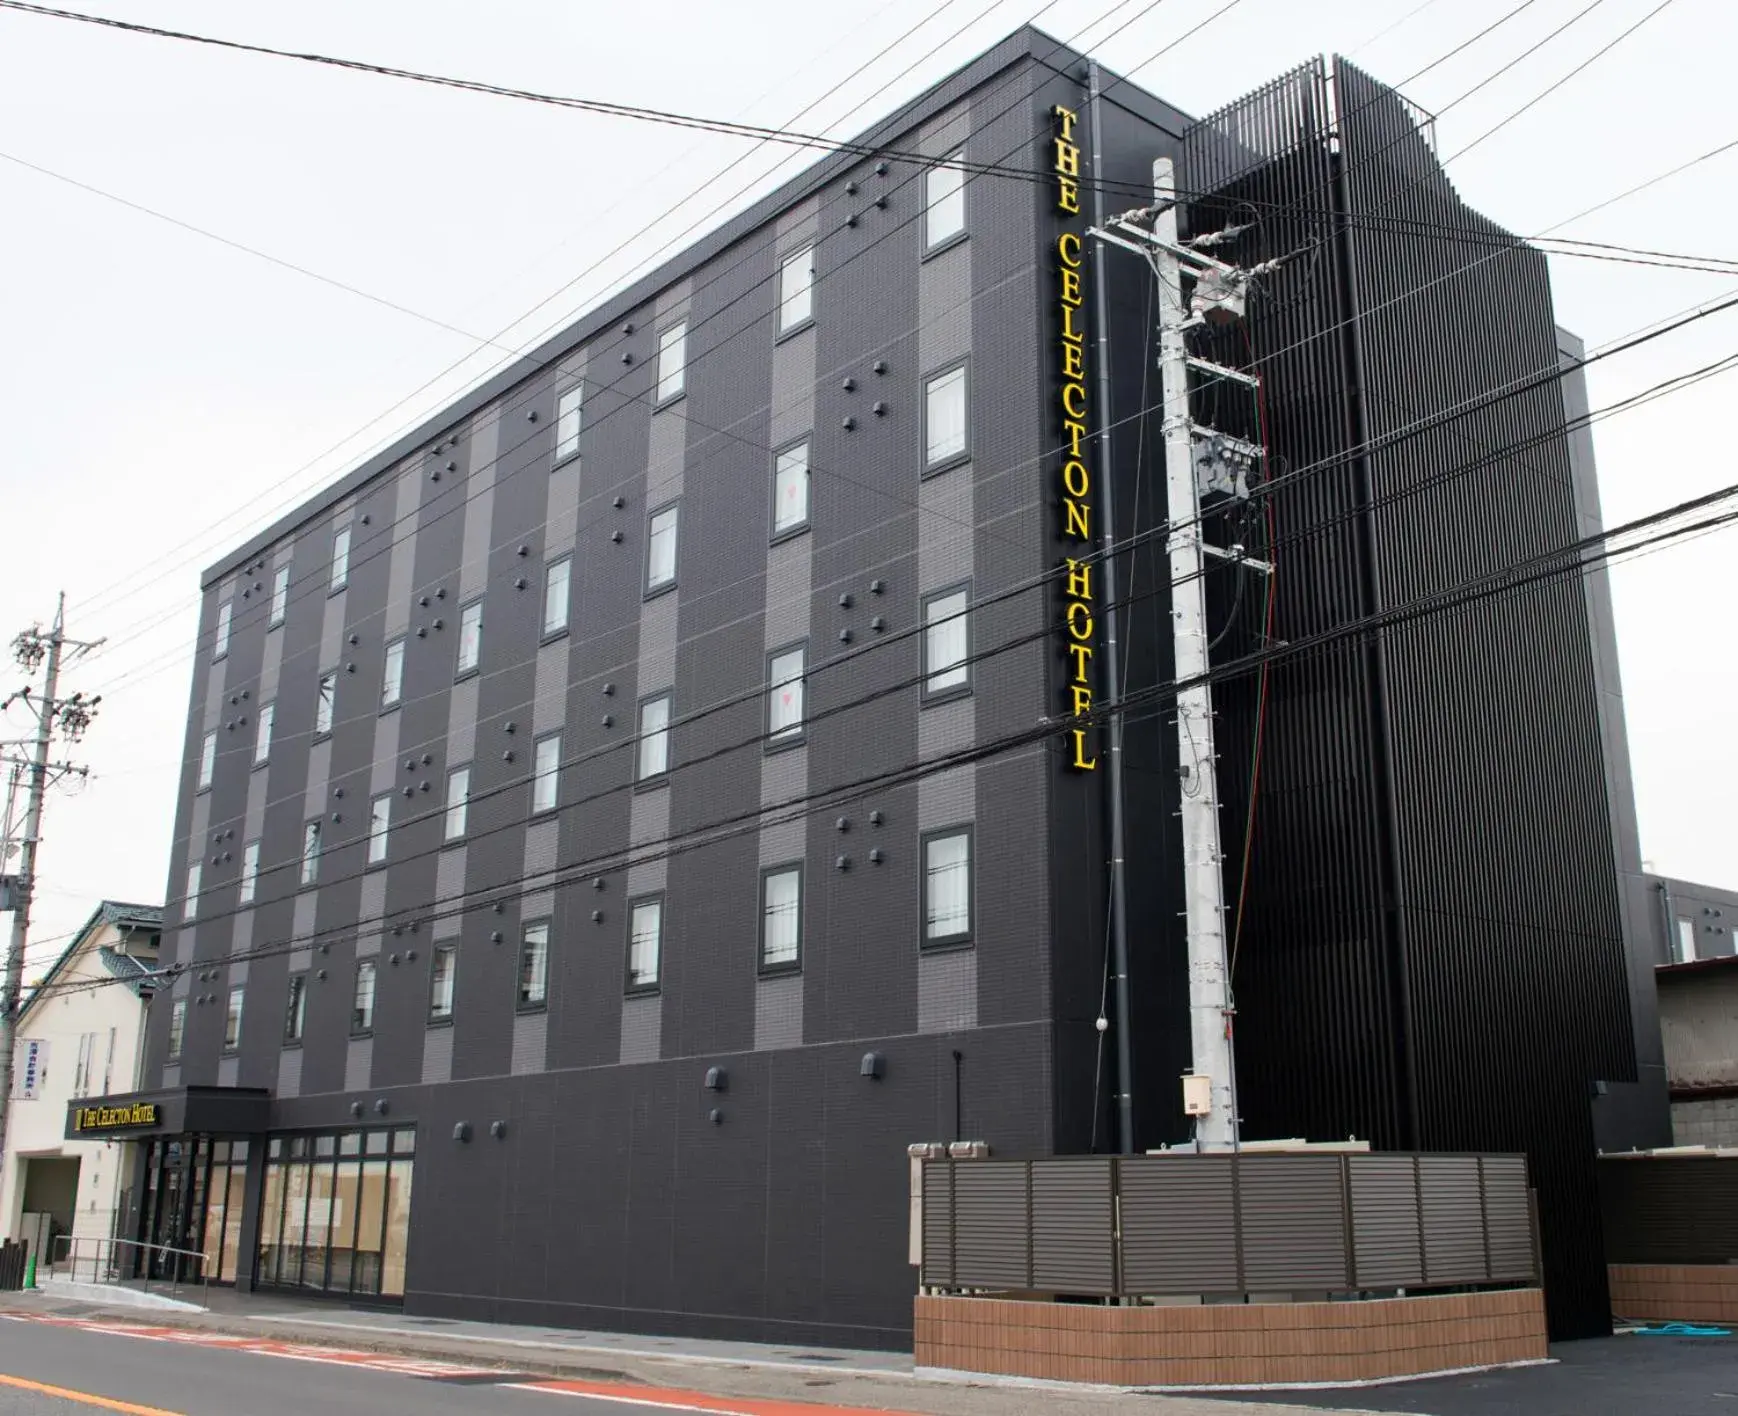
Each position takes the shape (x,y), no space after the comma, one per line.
(1078,617)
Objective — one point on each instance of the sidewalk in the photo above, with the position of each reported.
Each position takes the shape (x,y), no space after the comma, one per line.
(828,1376)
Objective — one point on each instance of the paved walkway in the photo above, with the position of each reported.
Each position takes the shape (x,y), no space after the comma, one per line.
(821,1376)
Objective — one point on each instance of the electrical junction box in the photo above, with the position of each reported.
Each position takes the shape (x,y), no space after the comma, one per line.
(1197,1094)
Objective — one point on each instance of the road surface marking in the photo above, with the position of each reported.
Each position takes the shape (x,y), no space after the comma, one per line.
(666,1399)
(83,1397)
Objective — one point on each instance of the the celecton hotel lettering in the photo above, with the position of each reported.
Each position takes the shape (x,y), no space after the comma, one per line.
(108,1118)
(1076,502)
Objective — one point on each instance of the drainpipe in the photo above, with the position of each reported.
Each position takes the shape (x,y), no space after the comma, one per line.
(1125,1117)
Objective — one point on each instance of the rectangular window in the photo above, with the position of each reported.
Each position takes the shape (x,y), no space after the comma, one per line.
(379,824)
(567,415)
(781,918)
(190,905)
(654,738)
(325,703)
(280,596)
(534,965)
(440,986)
(232,1020)
(392,677)
(645,944)
(340,557)
(947,887)
(470,637)
(220,638)
(546,774)
(944,201)
(249,871)
(661,549)
(672,362)
(177,1028)
(296,1012)
(362,1000)
(310,852)
(207,761)
(784,694)
(796,293)
(262,741)
(944,419)
(1686,945)
(458,801)
(790,490)
(946,652)
(557,580)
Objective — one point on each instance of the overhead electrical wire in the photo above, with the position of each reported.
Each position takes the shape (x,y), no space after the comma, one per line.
(1573,559)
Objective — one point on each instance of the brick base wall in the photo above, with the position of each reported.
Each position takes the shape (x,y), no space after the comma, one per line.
(1230,1344)
(1667,1293)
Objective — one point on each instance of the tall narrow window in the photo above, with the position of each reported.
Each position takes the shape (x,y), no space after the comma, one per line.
(567,416)
(672,362)
(470,636)
(654,738)
(262,741)
(296,1009)
(546,774)
(534,965)
(946,657)
(1686,946)
(232,1020)
(310,852)
(784,694)
(325,703)
(796,289)
(944,201)
(207,760)
(556,584)
(392,676)
(458,801)
(249,871)
(661,549)
(790,489)
(220,638)
(944,419)
(177,1028)
(340,557)
(362,999)
(442,963)
(190,905)
(645,944)
(781,918)
(280,595)
(947,887)
(379,824)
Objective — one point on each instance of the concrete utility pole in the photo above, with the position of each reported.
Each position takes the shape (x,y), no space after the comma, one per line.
(72,716)
(1210,1088)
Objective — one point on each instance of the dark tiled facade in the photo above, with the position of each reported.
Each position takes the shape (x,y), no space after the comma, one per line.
(572,1165)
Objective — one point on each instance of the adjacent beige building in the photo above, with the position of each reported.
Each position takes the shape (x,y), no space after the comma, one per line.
(77,1035)
(1699,1025)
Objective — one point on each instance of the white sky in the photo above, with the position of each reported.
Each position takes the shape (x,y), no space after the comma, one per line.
(167,396)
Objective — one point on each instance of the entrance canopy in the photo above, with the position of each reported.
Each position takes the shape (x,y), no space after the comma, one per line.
(174,1111)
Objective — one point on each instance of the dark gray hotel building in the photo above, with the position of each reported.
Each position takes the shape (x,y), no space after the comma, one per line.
(623,815)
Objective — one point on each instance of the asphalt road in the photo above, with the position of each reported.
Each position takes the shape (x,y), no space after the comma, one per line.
(111,1371)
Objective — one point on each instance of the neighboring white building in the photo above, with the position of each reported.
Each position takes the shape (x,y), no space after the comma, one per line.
(74,1041)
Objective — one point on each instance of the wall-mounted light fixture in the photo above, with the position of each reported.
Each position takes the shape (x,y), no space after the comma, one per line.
(873,1066)
(717,1079)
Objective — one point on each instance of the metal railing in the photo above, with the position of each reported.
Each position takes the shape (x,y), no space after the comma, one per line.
(103,1261)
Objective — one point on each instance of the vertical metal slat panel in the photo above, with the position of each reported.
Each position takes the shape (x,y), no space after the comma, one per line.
(1509,1218)
(1385,1221)
(1294,1226)
(991,1224)
(937,1269)
(1073,1226)
(1179,1228)
(1454,1241)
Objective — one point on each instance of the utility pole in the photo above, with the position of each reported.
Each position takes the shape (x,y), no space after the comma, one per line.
(1195,455)
(71,716)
